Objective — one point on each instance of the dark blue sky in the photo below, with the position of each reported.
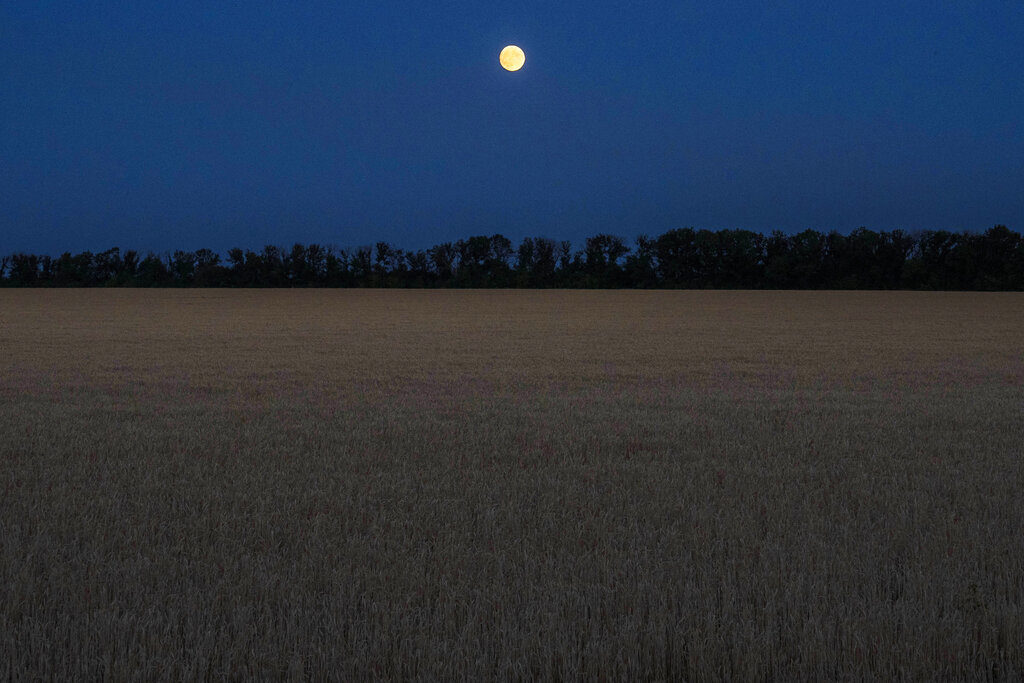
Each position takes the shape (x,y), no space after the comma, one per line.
(163,125)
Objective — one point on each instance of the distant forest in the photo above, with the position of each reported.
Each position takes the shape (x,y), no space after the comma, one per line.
(683,258)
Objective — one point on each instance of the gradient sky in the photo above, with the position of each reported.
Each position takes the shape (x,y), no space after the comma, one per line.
(164,125)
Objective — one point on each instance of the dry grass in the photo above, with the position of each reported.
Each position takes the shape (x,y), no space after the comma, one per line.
(505,485)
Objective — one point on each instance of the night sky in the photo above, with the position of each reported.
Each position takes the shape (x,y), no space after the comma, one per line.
(178,125)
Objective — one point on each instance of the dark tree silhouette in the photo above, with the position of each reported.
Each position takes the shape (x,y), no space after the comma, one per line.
(418,273)
(483,261)
(389,268)
(864,259)
(153,272)
(24,270)
(361,265)
(808,252)
(536,262)
(933,263)
(526,259)
(640,268)
(208,272)
(474,258)
(998,264)
(443,260)
(183,268)
(107,266)
(740,259)
(676,258)
(603,256)
(129,268)
(316,265)
(336,263)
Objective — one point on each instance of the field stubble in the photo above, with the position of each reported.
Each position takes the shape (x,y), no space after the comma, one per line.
(511,484)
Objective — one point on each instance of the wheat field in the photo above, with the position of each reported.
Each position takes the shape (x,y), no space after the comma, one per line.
(508,485)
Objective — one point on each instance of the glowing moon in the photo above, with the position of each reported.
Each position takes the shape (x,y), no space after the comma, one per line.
(512,58)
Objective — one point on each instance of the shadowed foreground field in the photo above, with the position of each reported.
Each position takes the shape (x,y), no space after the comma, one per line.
(486,484)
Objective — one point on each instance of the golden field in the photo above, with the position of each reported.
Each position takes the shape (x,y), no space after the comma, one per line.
(467,485)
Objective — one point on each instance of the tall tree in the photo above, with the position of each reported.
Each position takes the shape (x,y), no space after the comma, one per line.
(24,270)
(933,261)
(499,269)
(740,259)
(996,259)
(475,261)
(316,264)
(808,260)
(418,273)
(894,249)
(153,272)
(388,264)
(129,268)
(639,269)
(525,260)
(208,271)
(603,261)
(361,266)
(107,266)
(337,273)
(676,254)
(443,260)
(183,268)
(547,255)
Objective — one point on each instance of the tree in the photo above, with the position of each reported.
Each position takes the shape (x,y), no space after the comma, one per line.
(525,259)
(640,270)
(474,254)
(894,248)
(707,260)
(418,273)
(153,272)
(73,271)
(996,259)
(603,267)
(183,268)
(676,258)
(740,259)
(483,261)
(387,266)
(547,258)
(208,271)
(316,264)
(24,270)
(305,266)
(245,268)
(336,268)
(443,260)
(498,267)
(272,271)
(808,252)
(932,264)
(129,268)
(567,265)
(860,263)
(361,266)
(863,259)
(107,267)
(536,262)
(778,261)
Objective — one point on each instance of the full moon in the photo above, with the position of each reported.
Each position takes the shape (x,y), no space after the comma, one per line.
(512,58)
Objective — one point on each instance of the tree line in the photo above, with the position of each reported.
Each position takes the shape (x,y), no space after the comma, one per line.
(680,258)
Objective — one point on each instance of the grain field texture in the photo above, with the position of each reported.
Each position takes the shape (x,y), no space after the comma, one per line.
(509,485)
